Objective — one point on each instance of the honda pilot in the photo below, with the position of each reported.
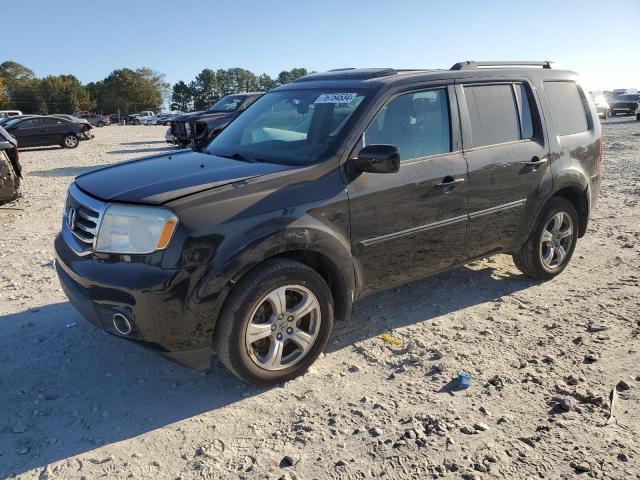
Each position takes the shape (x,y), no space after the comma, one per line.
(330,188)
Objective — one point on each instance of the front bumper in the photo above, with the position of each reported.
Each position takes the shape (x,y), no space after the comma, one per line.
(152,298)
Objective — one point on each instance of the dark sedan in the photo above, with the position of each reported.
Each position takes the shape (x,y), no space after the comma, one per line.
(39,131)
(624,103)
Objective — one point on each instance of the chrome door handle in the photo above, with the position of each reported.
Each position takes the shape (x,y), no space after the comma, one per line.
(536,162)
(449,184)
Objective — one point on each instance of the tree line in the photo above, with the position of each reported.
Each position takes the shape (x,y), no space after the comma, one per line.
(126,90)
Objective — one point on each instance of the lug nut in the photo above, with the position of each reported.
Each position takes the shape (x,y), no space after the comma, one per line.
(280,316)
(290,318)
(289,330)
(273,327)
(279,336)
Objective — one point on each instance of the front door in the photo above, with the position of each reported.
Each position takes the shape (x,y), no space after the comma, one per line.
(29,133)
(508,160)
(411,223)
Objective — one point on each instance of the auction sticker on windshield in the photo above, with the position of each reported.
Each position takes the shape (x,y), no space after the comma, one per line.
(336,98)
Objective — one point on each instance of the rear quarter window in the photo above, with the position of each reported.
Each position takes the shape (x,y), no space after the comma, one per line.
(567,107)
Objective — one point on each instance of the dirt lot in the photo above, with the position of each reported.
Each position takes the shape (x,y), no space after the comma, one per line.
(544,360)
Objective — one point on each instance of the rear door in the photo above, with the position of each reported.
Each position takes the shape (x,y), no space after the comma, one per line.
(508,158)
(409,224)
(56,128)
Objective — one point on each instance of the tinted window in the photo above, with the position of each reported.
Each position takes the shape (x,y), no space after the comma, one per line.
(493,114)
(417,123)
(525,106)
(567,107)
(53,121)
(30,123)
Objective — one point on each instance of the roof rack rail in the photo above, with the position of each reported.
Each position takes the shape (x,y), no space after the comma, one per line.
(470,65)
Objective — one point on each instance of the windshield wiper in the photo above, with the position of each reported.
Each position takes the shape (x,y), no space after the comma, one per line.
(240,157)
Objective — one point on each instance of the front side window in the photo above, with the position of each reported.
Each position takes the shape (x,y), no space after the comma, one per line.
(30,123)
(493,114)
(417,123)
(567,107)
(289,127)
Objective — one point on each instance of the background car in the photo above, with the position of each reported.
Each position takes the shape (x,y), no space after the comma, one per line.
(624,103)
(196,128)
(38,131)
(10,113)
(10,169)
(137,118)
(638,112)
(96,120)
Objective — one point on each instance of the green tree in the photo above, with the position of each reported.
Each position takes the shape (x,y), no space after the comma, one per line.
(182,97)
(131,91)
(289,76)
(205,89)
(265,83)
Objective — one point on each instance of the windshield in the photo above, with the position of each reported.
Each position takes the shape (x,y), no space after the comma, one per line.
(230,103)
(289,127)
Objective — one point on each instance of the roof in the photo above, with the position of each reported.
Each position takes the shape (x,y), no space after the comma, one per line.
(367,78)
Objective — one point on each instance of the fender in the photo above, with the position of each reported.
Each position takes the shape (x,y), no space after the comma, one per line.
(309,236)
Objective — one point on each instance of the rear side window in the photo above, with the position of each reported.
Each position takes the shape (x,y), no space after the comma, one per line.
(567,107)
(493,114)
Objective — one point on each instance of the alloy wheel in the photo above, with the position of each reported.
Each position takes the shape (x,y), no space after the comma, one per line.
(556,240)
(283,327)
(70,141)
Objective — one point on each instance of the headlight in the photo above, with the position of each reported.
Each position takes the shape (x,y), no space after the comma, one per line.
(132,229)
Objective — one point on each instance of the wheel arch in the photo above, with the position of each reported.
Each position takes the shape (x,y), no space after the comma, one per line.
(579,197)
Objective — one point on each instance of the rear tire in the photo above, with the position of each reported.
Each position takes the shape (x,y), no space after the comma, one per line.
(70,141)
(638,117)
(100,124)
(551,244)
(289,307)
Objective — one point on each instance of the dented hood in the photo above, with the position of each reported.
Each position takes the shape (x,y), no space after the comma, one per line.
(161,178)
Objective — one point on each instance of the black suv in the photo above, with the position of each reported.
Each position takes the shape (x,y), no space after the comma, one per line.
(198,128)
(332,187)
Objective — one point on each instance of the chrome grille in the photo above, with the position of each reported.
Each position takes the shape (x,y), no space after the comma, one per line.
(81,219)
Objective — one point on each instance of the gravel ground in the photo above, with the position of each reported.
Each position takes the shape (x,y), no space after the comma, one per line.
(545,360)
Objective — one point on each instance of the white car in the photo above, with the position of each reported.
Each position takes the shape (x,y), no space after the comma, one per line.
(140,118)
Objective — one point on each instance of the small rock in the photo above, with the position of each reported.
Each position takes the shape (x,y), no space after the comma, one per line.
(480,467)
(287,461)
(375,432)
(566,404)
(484,411)
(591,358)
(580,467)
(571,380)
(467,430)
(623,457)
(622,386)
(340,463)
(481,427)
(411,434)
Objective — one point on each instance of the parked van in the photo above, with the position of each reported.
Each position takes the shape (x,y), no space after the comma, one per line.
(332,187)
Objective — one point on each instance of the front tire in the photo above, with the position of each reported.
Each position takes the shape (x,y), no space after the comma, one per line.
(70,141)
(551,244)
(275,323)
(101,124)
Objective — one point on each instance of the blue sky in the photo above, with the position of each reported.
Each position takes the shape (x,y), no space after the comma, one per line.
(597,39)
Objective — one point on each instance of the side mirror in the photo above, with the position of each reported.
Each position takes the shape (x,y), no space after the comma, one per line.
(377,159)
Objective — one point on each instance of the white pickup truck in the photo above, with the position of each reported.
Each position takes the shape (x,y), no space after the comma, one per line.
(140,118)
